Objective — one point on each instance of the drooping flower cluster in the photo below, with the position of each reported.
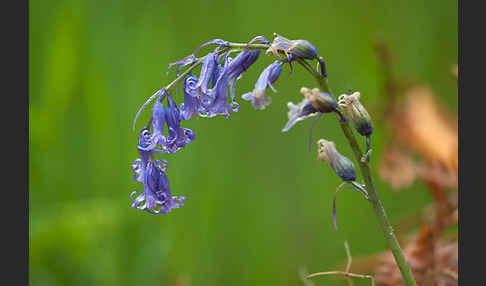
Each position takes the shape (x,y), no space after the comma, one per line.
(210,94)
(155,197)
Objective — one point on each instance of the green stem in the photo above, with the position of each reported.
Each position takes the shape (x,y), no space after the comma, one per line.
(249,46)
(373,194)
(320,79)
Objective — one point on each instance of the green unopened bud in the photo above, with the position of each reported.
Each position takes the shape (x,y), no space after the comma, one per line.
(358,114)
(341,165)
(297,48)
(303,49)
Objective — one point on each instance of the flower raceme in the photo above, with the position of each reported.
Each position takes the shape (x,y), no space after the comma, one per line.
(206,95)
(210,93)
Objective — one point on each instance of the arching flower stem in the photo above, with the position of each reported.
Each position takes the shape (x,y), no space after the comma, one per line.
(364,166)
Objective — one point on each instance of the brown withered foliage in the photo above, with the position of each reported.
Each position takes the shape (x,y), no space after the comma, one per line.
(397,168)
(423,146)
(433,263)
(423,127)
(419,126)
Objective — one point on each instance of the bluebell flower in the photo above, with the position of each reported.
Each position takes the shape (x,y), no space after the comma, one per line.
(238,71)
(191,103)
(242,63)
(178,136)
(299,112)
(218,69)
(156,190)
(158,123)
(144,142)
(209,72)
(248,58)
(269,75)
(232,70)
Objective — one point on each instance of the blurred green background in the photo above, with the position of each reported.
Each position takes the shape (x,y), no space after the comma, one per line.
(258,204)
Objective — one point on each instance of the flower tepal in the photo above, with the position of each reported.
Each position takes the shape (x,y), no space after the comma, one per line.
(299,112)
(191,103)
(158,124)
(156,190)
(178,136)
(209,71)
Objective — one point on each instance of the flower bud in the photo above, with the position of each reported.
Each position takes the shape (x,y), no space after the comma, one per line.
(296,48)
(358,114)
(303,49)
(279,44)
(322,101)
(343,167)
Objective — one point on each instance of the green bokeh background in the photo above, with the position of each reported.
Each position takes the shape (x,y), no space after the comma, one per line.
(258,203)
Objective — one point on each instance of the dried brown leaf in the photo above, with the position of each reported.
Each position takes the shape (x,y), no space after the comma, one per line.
(397,168)
(432,263)
(424,127)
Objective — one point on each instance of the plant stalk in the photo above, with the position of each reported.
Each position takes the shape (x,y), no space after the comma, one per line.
(373,194)
(380,213)
(364,166)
